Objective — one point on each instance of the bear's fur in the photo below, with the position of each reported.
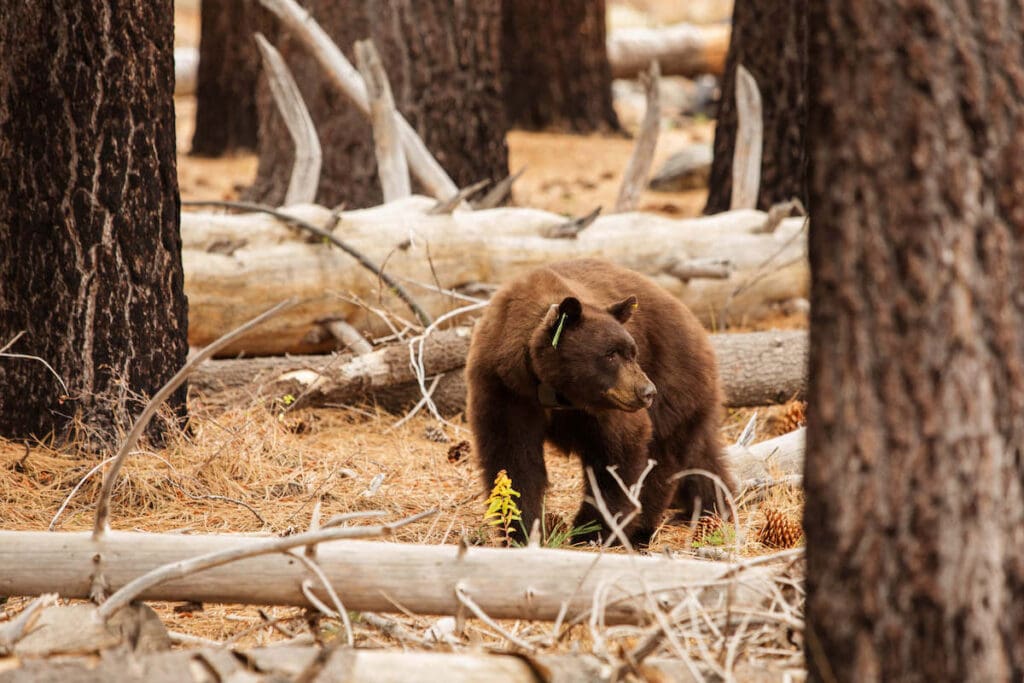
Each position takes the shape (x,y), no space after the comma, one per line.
(592,393)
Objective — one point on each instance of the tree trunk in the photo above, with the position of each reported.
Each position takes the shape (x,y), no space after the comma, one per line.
(555,68)
(915,462)
(91,268)
(769,38)
(442,60)
(229,68)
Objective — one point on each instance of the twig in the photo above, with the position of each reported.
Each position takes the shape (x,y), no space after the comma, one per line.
(103,505)
(14,631)
(465,600)
(746,158)
(24,356)
(345,78)
(308,156)
(363,260)
(182,568)
(392,167)
(634,180)
(572,227)
(64,505)
(339,608)
(226,499)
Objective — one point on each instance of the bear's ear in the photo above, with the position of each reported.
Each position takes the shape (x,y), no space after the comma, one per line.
(571,308)
(623,310)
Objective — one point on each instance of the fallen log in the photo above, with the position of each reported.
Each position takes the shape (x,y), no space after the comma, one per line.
(524,583)
(783,455)
(235,264)
(680,50)
(756,368)
(288,662)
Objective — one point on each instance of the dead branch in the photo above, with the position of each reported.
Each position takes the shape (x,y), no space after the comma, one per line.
(571,228)
(391,164)
(305,177)
(346,79)
(746,160)
(499,193)
(634,180)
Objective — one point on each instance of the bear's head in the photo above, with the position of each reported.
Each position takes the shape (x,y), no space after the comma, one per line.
(583,355)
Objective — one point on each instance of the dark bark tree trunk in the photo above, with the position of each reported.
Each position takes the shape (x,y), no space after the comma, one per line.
(555,68)
(229,66)
(769,38)
(915,446)
(442,60)
(90,269)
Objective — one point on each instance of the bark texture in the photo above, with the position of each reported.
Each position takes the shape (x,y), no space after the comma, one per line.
(229,67)
(442,59)
(89,212)
(555,66)
(915,459)
(769,38)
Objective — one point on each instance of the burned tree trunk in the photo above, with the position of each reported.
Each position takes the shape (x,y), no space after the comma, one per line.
(769,38)
(915,446)
(229,67)
(442,60)
(555,68)
(90,270)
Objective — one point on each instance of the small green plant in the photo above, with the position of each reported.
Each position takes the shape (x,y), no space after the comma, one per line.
(563,534)
(721,536)
(502,510)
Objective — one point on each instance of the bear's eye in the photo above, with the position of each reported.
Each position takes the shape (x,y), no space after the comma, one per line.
(611,354)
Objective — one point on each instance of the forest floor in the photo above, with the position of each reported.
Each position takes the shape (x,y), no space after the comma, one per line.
(252,469)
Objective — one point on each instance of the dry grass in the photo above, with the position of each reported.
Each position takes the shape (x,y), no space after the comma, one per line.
(258,470)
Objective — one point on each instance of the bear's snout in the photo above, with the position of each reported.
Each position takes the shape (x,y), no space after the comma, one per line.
(646,393)
(633,389)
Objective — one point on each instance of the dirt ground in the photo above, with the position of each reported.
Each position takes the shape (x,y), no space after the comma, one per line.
(256,468)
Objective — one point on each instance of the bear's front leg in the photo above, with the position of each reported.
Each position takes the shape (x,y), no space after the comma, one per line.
(508,434)
(604,440)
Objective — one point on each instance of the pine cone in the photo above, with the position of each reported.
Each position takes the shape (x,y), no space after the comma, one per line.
(706,526)
(794,416)
(779,529)
(458,451)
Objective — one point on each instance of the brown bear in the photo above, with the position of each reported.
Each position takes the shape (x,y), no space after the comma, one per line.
(601,362)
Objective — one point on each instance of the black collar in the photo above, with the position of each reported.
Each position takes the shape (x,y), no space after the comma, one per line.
(546,394)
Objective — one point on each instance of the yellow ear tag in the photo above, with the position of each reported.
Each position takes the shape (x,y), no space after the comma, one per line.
(636,305)
(558,331)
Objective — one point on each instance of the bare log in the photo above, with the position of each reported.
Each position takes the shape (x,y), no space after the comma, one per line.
(306,169)
(233,264)
(757,368)
(634,180)
(781,456)
(523,583)
(681,50)
(289,662)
